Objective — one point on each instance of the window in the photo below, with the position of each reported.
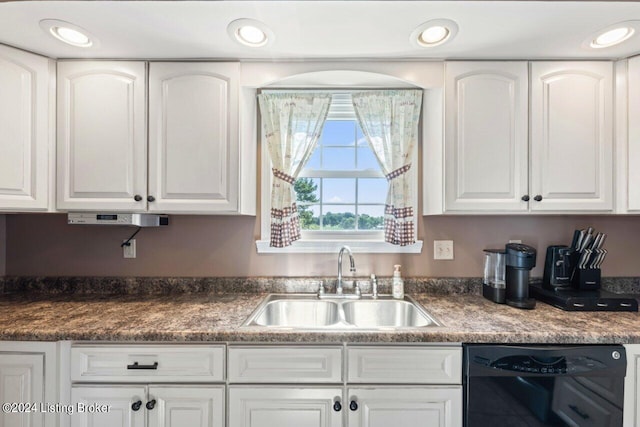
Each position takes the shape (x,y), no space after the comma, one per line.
(342,187)
(340,193)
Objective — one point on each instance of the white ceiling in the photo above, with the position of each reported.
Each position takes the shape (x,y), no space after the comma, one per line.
(321,29)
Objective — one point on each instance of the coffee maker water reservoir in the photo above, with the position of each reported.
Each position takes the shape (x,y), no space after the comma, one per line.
(520,259)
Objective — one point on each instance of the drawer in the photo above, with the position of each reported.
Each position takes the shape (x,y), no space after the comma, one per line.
(404,365)
(142,363)
(577,405)
(283,364)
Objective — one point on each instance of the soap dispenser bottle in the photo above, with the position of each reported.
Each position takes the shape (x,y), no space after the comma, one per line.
(398,283)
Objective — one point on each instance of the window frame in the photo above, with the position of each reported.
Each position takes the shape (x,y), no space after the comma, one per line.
(319,241)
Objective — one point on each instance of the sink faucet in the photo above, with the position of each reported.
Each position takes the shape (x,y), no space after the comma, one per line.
(352,265)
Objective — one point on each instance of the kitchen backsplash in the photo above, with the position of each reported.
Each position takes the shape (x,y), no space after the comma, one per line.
(226,285)
(219,246)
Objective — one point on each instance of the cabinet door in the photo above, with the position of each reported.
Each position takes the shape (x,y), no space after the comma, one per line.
(416,407)
(24,130)
(187,406)
(633,145)
(22,381)
(284,407)
(119,401)
(571,136)
(631,412)
(102,142)
(486,136)
(193,137)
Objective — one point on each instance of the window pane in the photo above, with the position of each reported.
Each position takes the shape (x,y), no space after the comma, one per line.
(372,190)
(339,132)
(339,217)
(309,217)
(339,158)
(307,190)
(366,158)
(338,190)
(314,160)
(371,217)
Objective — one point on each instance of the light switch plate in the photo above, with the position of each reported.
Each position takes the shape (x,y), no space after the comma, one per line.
(443,249)
(129,251)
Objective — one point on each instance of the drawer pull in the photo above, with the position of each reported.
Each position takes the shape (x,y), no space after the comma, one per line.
(577,410)
(151,404)
(353,405)
(337,406)
(136,405)
(138,366)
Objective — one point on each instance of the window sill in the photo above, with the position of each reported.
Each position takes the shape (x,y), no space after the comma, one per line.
(333,246)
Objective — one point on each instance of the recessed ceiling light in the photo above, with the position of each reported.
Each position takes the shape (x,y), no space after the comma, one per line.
(250,32)
(434,33)
(68,32)
(611,35)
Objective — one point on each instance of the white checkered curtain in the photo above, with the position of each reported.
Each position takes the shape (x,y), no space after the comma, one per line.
(389,120)
(291,123)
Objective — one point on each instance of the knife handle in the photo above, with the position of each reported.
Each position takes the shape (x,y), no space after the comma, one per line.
(576,237)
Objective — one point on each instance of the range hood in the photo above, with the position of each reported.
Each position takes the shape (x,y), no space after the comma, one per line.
(100,218)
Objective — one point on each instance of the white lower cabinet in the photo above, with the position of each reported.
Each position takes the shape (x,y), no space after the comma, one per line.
(403,385)
(147,385)
(21,381)
(285,406)
(123,406)
(28,376)
(152,406)
(187,406)
(405,406)
(632,387)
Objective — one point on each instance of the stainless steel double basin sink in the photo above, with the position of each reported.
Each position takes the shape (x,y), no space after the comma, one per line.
(307,312)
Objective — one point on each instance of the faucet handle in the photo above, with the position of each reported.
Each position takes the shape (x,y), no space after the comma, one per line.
(321,290)
(356,289)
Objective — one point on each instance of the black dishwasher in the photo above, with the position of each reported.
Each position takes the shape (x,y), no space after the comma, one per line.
(535,386)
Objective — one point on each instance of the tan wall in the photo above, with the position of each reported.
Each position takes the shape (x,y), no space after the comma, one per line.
(43,244)
(3,245)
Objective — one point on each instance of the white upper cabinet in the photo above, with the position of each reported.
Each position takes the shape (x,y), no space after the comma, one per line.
(102,161)
(571,136)
(486,154)
(193,137)
(562,163)
(633,143)
(25,137)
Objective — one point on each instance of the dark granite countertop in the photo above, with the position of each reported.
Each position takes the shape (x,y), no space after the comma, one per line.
(211,316)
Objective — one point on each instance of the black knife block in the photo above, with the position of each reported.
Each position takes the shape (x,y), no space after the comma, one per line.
(587,279)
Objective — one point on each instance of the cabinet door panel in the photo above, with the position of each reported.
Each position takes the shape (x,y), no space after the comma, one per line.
(633,147)
(193,137)
(486,136)
(119,401)
(24,136)
(284,407)
(101,135)
(21,380)
(416,407)
(571,135)
(187,406)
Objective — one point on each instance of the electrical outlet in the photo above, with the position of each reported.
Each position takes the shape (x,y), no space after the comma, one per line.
(515,241)
(129,251)
(443,249)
